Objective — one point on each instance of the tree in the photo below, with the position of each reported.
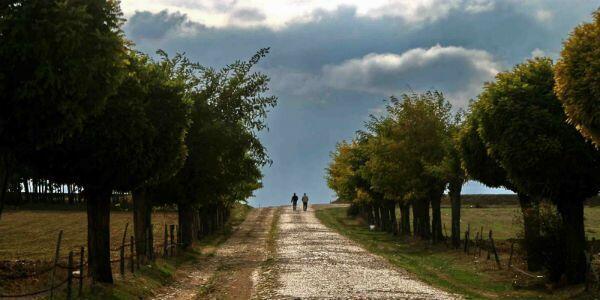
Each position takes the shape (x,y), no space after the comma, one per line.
(386,169)
(110,154)
(480,166)
(455,175)
(423,120)
(578,78)
(224,152)
(164,96)
(347,175)
(60,61)
(524,127)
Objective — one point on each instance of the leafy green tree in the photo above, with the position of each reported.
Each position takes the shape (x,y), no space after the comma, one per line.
(224,152)
(422,129)
(455,175)
(163,92)
(60,61)
(109,154)
(348,175)
(525,129)
(386,169)
(487,170)
(578,78)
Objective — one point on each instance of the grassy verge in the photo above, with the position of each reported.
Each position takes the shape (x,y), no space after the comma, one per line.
(475,278)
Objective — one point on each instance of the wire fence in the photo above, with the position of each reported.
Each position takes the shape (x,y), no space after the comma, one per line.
(74,268)
(484,245)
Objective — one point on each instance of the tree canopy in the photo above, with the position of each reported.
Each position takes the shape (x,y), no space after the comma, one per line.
(578,78)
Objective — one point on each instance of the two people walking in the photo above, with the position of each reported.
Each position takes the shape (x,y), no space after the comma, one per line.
(304,201)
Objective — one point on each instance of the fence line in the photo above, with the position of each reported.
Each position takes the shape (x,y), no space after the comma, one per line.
(76,271)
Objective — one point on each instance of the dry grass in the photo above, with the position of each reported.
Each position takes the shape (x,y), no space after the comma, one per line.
(32,235)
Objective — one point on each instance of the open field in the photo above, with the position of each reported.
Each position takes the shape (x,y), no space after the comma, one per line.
(452,270)
(505,221)
(32,234)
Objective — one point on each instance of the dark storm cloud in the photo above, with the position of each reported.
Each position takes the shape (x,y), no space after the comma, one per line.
(145,25)
(331,72)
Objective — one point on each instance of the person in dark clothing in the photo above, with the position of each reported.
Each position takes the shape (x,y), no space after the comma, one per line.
(304,202)
(294,201)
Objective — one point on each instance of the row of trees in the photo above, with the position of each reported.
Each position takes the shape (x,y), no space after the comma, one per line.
(79,106)
(518,134)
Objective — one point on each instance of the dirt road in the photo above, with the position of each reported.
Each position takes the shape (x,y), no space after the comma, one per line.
(285,254)
(227,274)
(314,262)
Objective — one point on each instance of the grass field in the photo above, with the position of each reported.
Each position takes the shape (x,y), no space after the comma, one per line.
(452,270)
(505,221)
(32,234)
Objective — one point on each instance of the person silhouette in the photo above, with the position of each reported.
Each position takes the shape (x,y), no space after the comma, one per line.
(304,202)
(294,201)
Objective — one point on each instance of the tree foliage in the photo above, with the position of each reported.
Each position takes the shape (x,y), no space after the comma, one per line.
(524,127)
(578,78)
(60,61)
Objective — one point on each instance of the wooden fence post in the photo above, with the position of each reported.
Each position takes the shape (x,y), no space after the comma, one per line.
(70,276)
(588,262)
(151,242)
(512,248)
(166,243)
(137,255)
(81,255)
(172,231)
(148,246)
(122,260)
(56,253)
(495,252)
(131,254)
(476,244)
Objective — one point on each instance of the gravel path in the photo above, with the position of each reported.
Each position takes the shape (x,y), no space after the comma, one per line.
(314,262)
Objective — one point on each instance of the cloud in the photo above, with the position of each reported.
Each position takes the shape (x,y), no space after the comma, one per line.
(146,25)
(247,15)
(457,71)
(281,13)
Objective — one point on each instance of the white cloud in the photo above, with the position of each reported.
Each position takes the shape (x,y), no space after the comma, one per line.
(543,15)
(456,71)
(537,52)
(279,13)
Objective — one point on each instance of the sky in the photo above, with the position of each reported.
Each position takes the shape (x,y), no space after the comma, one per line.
(335,62)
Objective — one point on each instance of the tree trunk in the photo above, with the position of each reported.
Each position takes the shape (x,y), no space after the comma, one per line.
(142,218)
(424,219)
(98,215)
(454,190)
(186,220)
(531,229)
(377,215)
(385,217)
(575,262)
(405,219)
(416,214)
(369,213)
(4,188)
(436,220)
(394,220)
